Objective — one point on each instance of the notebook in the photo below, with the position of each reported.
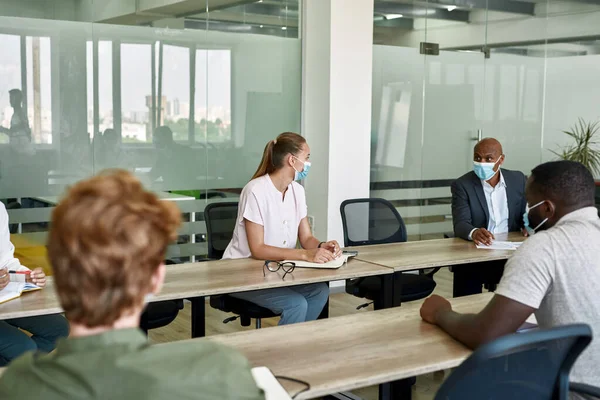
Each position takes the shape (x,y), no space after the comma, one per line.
(14,290)
(334,264)
(268,383)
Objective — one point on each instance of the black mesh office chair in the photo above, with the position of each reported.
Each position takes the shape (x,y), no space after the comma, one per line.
(533,366)
(220,221)
(13,205)
(376,221)
(160,313)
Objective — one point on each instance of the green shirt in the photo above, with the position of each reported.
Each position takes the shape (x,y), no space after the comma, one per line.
(121,365)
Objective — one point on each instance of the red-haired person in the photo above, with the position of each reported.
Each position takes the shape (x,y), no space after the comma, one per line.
(107,243)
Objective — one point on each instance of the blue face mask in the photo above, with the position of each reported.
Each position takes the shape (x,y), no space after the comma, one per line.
(528,228)
(485,171)
(302,174)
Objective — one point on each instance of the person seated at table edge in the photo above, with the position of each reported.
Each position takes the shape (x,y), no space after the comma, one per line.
(106,244)
(272,218)
(487,201)
(554,274)
(45,330)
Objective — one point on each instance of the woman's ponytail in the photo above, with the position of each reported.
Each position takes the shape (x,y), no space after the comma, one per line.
(266,164)
(276,151)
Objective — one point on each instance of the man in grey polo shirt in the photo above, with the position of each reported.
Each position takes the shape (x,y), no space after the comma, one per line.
(555,273)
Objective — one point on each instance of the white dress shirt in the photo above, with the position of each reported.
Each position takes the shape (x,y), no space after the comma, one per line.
(497,204)
(7,250)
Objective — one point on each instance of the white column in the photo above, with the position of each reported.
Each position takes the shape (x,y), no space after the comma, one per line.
(336,106)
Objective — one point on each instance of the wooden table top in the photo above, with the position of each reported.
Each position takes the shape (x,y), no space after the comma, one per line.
(354,351)
(204,279)
(432,253)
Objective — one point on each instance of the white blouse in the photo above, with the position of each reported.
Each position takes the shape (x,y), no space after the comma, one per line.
(7,250)
(262,203)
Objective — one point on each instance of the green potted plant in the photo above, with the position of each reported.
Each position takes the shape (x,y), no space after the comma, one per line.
(585,149)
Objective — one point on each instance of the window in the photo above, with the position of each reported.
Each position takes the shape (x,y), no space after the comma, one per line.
(175,113)
(136,93)
(10,70)
(39,98)
(213,96)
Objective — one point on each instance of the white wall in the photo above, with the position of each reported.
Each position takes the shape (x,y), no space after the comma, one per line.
(572,92)
(337,106)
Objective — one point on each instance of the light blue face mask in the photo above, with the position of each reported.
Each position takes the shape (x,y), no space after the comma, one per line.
(302,174)
(485,171)
(528,228)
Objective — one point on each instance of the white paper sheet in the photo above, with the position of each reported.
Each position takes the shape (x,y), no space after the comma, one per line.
(500,245)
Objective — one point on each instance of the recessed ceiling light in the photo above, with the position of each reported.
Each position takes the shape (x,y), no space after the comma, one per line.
(451,8)
(283,28)
(393,16)
(262,26)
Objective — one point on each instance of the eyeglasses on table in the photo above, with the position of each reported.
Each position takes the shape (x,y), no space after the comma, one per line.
(274,266)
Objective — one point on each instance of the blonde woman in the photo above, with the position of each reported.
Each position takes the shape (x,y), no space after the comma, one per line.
(272,218)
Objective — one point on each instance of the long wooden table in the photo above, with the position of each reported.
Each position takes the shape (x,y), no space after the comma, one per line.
(345,353)
(432,253)
(197,280)
(425,254)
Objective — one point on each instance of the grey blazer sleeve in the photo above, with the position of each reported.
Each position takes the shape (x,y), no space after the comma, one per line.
(461,212)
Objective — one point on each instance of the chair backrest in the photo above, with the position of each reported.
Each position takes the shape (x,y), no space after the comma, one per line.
(14,205)
(533,365)
(371,221)
(220,221)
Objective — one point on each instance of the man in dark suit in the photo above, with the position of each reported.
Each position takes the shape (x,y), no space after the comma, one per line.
(486,201)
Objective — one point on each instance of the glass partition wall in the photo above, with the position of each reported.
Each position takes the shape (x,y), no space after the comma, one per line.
(186,94)
(519,71)
(183,94)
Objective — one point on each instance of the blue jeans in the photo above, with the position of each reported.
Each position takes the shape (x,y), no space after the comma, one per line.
(295,303)
(45,331)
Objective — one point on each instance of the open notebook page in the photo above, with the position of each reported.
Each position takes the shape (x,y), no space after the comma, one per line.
(14,290)
(338,262)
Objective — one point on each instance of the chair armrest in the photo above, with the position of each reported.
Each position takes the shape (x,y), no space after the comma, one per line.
(448,235)
(582,388)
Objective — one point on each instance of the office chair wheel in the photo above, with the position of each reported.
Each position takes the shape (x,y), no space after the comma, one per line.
(364,305)
(228,320)
(245,320)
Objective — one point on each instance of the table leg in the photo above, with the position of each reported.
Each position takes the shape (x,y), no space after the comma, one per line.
(325,312)
(402,389)
(397,284)
(386,295)
(397,390)
(198,317)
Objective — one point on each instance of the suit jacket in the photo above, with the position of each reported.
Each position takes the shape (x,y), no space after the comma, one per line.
(470,209)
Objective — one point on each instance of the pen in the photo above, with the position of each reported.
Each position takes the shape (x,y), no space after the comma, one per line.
(20,272)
